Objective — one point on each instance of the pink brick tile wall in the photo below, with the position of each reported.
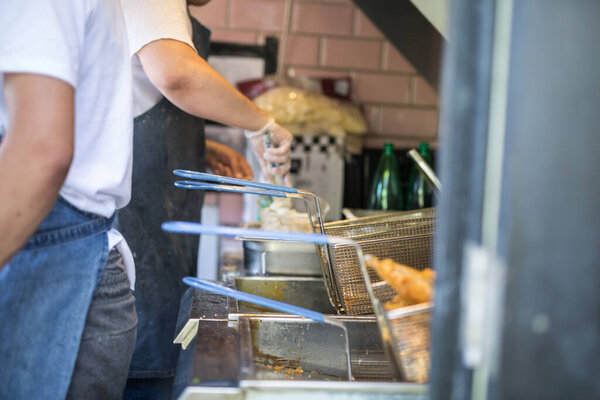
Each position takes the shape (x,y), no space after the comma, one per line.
(351,53)
(234,36)
(319,72)
(408,121)
(320,18)
(423,93)
(364,27)
(257,14)
(382,88)
(302,50)
(214,14)
(394,61)
(333,38)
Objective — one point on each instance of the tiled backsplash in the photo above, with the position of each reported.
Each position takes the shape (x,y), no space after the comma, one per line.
(334,38)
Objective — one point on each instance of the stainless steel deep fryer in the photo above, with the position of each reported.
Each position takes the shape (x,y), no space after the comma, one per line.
(405,237)
(404,331)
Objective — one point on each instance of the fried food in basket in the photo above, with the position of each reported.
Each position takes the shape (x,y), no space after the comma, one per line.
(411,285)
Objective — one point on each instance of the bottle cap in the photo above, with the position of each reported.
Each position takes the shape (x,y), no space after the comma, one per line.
(424,150)
(388,148)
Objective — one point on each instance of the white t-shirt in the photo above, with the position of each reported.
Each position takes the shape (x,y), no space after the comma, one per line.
(83,43)
(147,21)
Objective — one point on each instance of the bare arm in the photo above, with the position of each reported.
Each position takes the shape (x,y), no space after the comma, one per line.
(35,155)
(183,77)
(180,74)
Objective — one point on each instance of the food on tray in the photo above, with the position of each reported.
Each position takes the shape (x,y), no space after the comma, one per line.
(411,285)
(294,371)
(288,371)
(279,215)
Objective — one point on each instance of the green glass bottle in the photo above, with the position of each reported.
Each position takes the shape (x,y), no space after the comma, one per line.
(420,193)
(386,192)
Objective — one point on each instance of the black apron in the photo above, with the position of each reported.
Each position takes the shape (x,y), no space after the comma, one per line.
(165,138)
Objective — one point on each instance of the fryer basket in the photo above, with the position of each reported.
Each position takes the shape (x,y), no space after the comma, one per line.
(405,237)
(410,332)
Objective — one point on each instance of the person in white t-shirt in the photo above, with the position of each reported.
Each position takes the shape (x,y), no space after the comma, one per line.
(173,85)
(66,309)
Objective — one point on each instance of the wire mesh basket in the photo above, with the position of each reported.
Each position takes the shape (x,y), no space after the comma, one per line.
(405,331)
(409,329)
(405,237)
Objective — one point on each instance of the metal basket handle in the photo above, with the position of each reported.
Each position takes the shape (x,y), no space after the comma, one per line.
(228,188)
(203,176)
(210,178)
(196,228)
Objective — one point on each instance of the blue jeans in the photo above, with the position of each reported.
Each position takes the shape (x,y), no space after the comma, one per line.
(108,338)
(45,293)
(168,388)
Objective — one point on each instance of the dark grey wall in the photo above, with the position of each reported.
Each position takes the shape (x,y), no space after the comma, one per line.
(549,233)
(551,207)
(463,123)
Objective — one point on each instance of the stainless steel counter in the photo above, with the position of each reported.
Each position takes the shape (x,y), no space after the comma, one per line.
(240,353)
(302,390)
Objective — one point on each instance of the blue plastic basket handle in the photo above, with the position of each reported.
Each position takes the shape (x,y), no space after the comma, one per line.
(251,298)
(203,176)
(196,228)
(228,188)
